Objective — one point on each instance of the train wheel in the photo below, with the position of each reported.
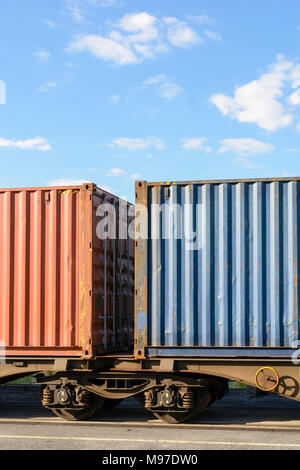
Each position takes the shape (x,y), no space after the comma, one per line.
(175,418)
(80,414)
(202,400)
(74,415)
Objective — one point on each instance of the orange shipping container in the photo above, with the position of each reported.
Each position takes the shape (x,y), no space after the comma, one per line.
(66,272)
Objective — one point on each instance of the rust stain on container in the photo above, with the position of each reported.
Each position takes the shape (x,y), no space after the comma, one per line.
(53,298)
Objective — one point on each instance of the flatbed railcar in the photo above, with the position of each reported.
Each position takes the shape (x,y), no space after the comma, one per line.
(216,298)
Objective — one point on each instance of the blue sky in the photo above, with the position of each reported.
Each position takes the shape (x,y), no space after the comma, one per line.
(111,91)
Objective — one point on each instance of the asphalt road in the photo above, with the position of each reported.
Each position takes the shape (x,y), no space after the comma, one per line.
(45,437)
(232,423)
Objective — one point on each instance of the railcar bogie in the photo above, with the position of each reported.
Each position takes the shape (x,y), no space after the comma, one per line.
(172,398)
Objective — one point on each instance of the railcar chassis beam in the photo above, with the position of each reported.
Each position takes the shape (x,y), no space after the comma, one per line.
(281,376)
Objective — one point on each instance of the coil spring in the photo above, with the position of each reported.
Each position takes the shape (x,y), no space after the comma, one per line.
(148,399)
(48,396)
(188,400)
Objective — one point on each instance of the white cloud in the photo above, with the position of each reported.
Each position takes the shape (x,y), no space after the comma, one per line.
(77,9)
(41,56)
(245,147)
(47,86)
(67,182)
(110,3)
(49,23)
(154,80)
(136,36)
(116,172)
(38,143)
(137,143)
(170,90)
(115,99)
(104,48)
(167,88)
(82,10)
(2,92)
(290,149)
(196,143)
(180,34)
(133,23)
(71,65)
(263,101)
(135,176)
(150,51)
(213,36)
(108,189)
(200,19)
(294,98)
(142,28)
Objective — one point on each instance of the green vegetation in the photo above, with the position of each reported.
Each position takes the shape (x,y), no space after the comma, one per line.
(236,385)
(29,380)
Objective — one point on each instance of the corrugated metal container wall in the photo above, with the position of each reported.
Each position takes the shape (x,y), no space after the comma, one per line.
(112,274)
(231,280)
(51,265)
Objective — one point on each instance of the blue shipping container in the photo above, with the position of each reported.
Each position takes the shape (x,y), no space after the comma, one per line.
(217,268)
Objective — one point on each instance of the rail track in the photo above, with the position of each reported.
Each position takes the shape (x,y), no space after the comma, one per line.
(239,410)
(225,418)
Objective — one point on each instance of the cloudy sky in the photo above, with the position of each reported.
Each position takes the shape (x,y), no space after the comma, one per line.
(111,91)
